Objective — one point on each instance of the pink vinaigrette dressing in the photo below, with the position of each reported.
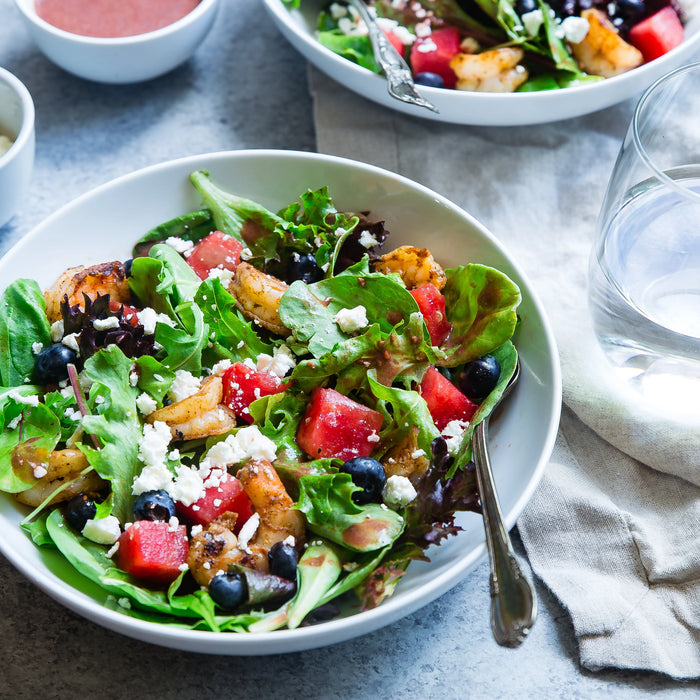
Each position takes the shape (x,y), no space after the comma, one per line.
(112,18)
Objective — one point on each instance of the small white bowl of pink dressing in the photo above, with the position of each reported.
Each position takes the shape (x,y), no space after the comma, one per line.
(127,41)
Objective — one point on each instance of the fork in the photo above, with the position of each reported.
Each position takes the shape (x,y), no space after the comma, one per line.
(399,81)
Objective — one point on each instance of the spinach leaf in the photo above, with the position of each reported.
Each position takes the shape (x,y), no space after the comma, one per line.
(23,322)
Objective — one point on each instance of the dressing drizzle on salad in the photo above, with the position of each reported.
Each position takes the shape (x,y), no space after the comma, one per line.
(260,413)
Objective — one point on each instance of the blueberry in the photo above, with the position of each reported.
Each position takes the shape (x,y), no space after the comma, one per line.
(522,7)
(51,364)
(79,510)
(228,590)
(153,505)
(479,377)
(304,268)
(127,266)
(369,475)
(283,561)
(429,80)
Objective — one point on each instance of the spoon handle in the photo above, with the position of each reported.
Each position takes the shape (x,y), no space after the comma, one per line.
(399,80)
(513,602)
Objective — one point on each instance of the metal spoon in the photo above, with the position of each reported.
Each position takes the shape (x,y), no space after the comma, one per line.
(513,601)
(399,81)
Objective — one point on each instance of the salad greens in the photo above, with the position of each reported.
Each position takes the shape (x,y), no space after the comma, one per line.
(197,328)
(490,23)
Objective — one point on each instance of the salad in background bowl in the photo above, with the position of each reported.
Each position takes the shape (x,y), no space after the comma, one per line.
(500,64)
(143,428)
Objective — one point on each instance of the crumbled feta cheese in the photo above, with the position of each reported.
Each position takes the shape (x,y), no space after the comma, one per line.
(373,437)
(196,529)
(289,540)
(57,331)
(146,404)
(250,527)
(532,21)
(32,400)
(154,477)
(279,363)
(398,491)
(39,470)
(224,276)
(37,348)
(426,46)
(255,444)
(124,603)
(148,318)
(367,240)
(105,324)
(224,453)
(453,433)
(417,453)
(337,10)
(184,385)
(153,446)
(133,378)
(103,531)
(71,341)
(220,367)
(351,320)
(179,244)
(72,414)
(574,29)
(188,486)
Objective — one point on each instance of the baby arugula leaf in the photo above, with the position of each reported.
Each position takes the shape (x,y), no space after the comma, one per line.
(239,217)
(116,425)
(230,336)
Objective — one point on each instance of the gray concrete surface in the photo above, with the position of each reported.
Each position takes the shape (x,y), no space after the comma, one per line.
(244,88)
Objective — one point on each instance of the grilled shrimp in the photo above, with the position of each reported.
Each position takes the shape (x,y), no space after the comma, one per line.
(214,549)
(273,504)
(105,278)
(603,51)
(199,415)
(497,70)
(258,297)
(415,265)
(60,467)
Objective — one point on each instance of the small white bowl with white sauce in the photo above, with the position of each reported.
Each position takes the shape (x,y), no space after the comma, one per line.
(16,144)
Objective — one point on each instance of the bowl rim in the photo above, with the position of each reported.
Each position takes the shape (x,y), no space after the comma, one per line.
(303,638)
(28,114)
(690,45)
(28,9)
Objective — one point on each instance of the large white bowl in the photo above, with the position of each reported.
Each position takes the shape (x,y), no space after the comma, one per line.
(129,59)
(476,108)
(17,123)
(103,224)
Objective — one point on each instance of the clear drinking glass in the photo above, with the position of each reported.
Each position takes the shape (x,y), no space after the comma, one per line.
(644,285)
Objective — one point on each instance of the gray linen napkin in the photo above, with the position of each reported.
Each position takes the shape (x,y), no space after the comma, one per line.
(614,528)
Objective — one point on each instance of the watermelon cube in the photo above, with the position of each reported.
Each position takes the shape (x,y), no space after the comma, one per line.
(153,551)
(431,303)
(445,401)
(336,426)
(433,53)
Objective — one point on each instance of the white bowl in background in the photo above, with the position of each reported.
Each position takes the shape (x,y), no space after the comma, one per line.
(17,123)
(477,108)
(94,228)
(118,60)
